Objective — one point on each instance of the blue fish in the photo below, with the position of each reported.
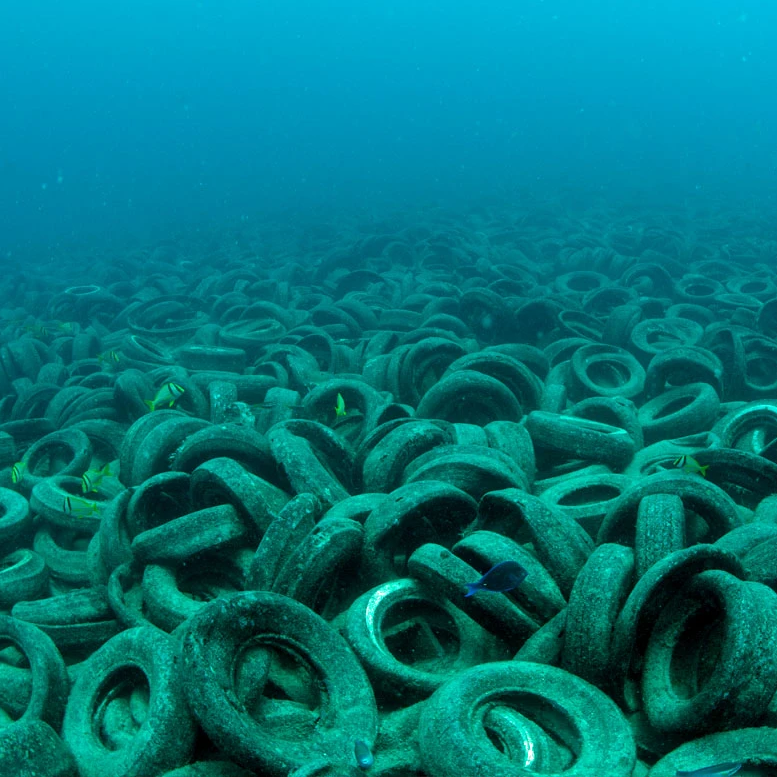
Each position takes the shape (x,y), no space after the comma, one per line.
(363,754)
(718,770)
(500,578)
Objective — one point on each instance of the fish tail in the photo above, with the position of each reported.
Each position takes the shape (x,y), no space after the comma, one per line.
(471,589)
(149,403)
(703,470)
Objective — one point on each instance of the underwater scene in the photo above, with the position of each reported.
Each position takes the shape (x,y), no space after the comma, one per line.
(388,389)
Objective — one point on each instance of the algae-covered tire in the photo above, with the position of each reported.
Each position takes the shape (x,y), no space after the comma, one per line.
(558,541)
(406,606)
(24,576)
(227,644)
(699,497)
(64,452)
(454,739)
(310,574)
(644,604)
(445,574)
(600,369)
(709,663)
(310,466)
(678,412)
(596,599)
(412,515)
(386,461)
(470,397)
(135,673)
(79,619)
(48,682)
(15,517)
(36,745)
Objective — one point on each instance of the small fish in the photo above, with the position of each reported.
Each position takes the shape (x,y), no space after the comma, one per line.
(167,395)
(340,407)
(109,357)
(80,508)
(690,466)
(67,327)
(500,578)
(17,472)
(718,770)
(363,754)
(37,330)
(92,478)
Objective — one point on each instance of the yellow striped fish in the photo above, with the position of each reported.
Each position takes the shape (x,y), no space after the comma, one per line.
(80,508)
(166,396)
(690,466)
(91,479)
(37,330)
(109,357)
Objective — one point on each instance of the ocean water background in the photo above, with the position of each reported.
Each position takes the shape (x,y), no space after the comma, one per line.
(136,120)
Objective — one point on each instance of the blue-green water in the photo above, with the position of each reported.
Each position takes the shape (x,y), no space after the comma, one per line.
(134,119)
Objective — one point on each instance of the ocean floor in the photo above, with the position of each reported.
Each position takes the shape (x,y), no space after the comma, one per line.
(448,494)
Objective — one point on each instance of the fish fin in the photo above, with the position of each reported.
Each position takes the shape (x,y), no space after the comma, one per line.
(149,403)
(703,470)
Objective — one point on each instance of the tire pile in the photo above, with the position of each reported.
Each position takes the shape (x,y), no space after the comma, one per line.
(266,574)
